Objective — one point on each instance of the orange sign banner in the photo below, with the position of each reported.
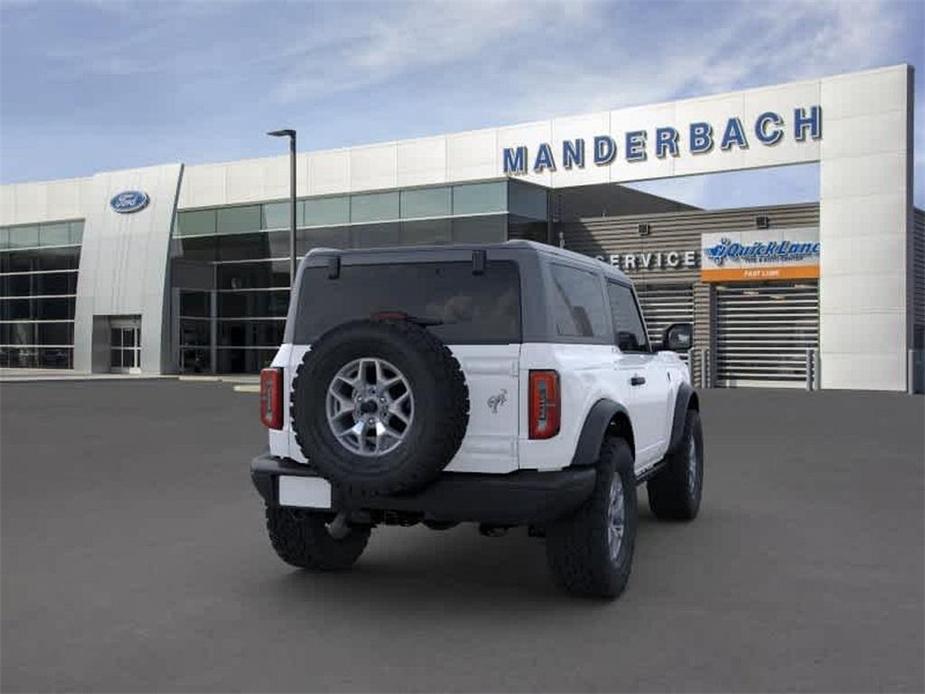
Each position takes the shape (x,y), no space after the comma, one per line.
(786,272)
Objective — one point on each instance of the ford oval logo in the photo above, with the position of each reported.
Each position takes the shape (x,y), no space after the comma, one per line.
(129,201)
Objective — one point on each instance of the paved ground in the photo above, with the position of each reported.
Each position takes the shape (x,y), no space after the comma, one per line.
(133,559)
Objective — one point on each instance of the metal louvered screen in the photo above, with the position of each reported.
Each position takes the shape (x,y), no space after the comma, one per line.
(763,332)
(664,304)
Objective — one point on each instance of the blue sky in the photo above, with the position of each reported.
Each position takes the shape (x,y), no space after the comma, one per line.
(107,84)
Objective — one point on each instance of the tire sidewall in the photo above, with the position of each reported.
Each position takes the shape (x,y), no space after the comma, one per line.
(314,434)
(620,464)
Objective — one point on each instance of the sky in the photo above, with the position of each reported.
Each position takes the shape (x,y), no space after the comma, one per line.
(93,85)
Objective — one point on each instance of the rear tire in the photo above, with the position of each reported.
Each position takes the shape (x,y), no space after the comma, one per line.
(674,493)
(580,549)
(301,538)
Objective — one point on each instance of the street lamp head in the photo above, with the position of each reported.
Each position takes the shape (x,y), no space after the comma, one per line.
(288,132)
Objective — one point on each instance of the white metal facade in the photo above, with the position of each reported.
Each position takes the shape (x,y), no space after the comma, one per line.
(866,215)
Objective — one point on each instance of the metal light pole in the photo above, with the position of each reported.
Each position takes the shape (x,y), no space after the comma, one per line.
(292,221)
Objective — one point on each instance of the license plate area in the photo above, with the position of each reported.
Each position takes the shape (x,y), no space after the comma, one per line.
(304,492)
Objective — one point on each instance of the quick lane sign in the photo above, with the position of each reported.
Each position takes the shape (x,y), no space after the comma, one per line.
(767,130)
(760,255)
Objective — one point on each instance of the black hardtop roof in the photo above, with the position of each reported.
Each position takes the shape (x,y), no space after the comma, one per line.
(409,254)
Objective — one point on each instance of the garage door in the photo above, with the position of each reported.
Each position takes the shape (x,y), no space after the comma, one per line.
(763,332)
(664,304)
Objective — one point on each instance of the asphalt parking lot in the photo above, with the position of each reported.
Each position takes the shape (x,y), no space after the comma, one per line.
(134,559)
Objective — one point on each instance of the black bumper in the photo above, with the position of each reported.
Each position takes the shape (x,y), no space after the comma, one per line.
(516,498)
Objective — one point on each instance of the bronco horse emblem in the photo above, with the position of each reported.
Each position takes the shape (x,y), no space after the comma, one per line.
(495,401)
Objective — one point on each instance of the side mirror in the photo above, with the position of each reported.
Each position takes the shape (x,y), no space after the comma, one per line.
(678,337)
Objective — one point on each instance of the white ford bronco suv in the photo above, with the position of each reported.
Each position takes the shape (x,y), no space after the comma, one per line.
(506,384)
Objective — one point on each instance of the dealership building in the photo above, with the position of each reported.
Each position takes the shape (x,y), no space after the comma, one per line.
(184,269)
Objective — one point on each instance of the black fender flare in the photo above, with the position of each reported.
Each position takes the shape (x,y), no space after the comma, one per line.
(595,429)
(682,404)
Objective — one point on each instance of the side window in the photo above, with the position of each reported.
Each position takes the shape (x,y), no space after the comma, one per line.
(627,323)
(577,303)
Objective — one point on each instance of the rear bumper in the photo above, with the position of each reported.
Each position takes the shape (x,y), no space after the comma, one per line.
(516,498)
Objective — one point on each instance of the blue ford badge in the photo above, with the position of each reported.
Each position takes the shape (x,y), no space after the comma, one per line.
(129,201)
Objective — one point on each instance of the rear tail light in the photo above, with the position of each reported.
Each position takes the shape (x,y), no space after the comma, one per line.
(545,404)
(271,398)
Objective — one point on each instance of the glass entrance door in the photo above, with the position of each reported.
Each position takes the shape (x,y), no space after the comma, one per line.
(125,346)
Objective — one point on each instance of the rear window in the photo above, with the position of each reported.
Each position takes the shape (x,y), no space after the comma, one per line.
(465,308)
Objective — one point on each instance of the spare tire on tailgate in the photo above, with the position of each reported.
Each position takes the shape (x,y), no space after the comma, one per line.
(379,407)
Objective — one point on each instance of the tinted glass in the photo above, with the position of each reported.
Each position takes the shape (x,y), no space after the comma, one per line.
(253,304)
(470,309)
(195,360)
(491,229)
(375,235)
(334,237)
(195,332)
(237,220)
(244,360)
(475,198)
(244,247)
(250,275)
(4,237)
(205,248)
(374,207)
(630,335)
(327,211)
(577,303)
(251,333)
(194,304)
(55,234)
(196,223)
(276,215)
(527,201)
(54,333)
(24,237)
(55,283)
(76,232)
(426,202)
(430,231)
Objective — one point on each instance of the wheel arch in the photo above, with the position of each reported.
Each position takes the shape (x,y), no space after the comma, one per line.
(687,399)
(605,417)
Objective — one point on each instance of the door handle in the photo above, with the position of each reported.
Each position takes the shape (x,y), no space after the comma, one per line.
(637,380)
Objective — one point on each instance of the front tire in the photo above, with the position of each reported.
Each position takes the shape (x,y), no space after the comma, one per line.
(591,552)
(674,493)
(301,538)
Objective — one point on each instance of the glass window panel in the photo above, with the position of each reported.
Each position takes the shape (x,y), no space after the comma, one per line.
(466,308)
(256,304)
(195,360)
(251,333)
(426,202)
(128,337)
(527,201)
(577,303)
(250,275)
(327,211)
(115,358)
(55,283)
(243,247)
(278,244)
(374,207)
(375,235)
(627,322)
(238,220)
(475,198)
(4,237)
(24,237)
(17,285)
(195,332)
(57,259)
(17,309)
(54,333)
(55,234)
(194,304)
(244,360)
(115,337)
(56,358)
(54,309)
(21,334)
(23,358)
(203,248)
(275,215)
(196,223)
(431,231)
(490,229)
(332,237)
(76,231)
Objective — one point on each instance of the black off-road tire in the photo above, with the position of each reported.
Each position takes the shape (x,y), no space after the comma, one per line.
(577,547)
(301,538)
(441,407)
(675,491)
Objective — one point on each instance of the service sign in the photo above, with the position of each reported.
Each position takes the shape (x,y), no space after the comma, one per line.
(769,254)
